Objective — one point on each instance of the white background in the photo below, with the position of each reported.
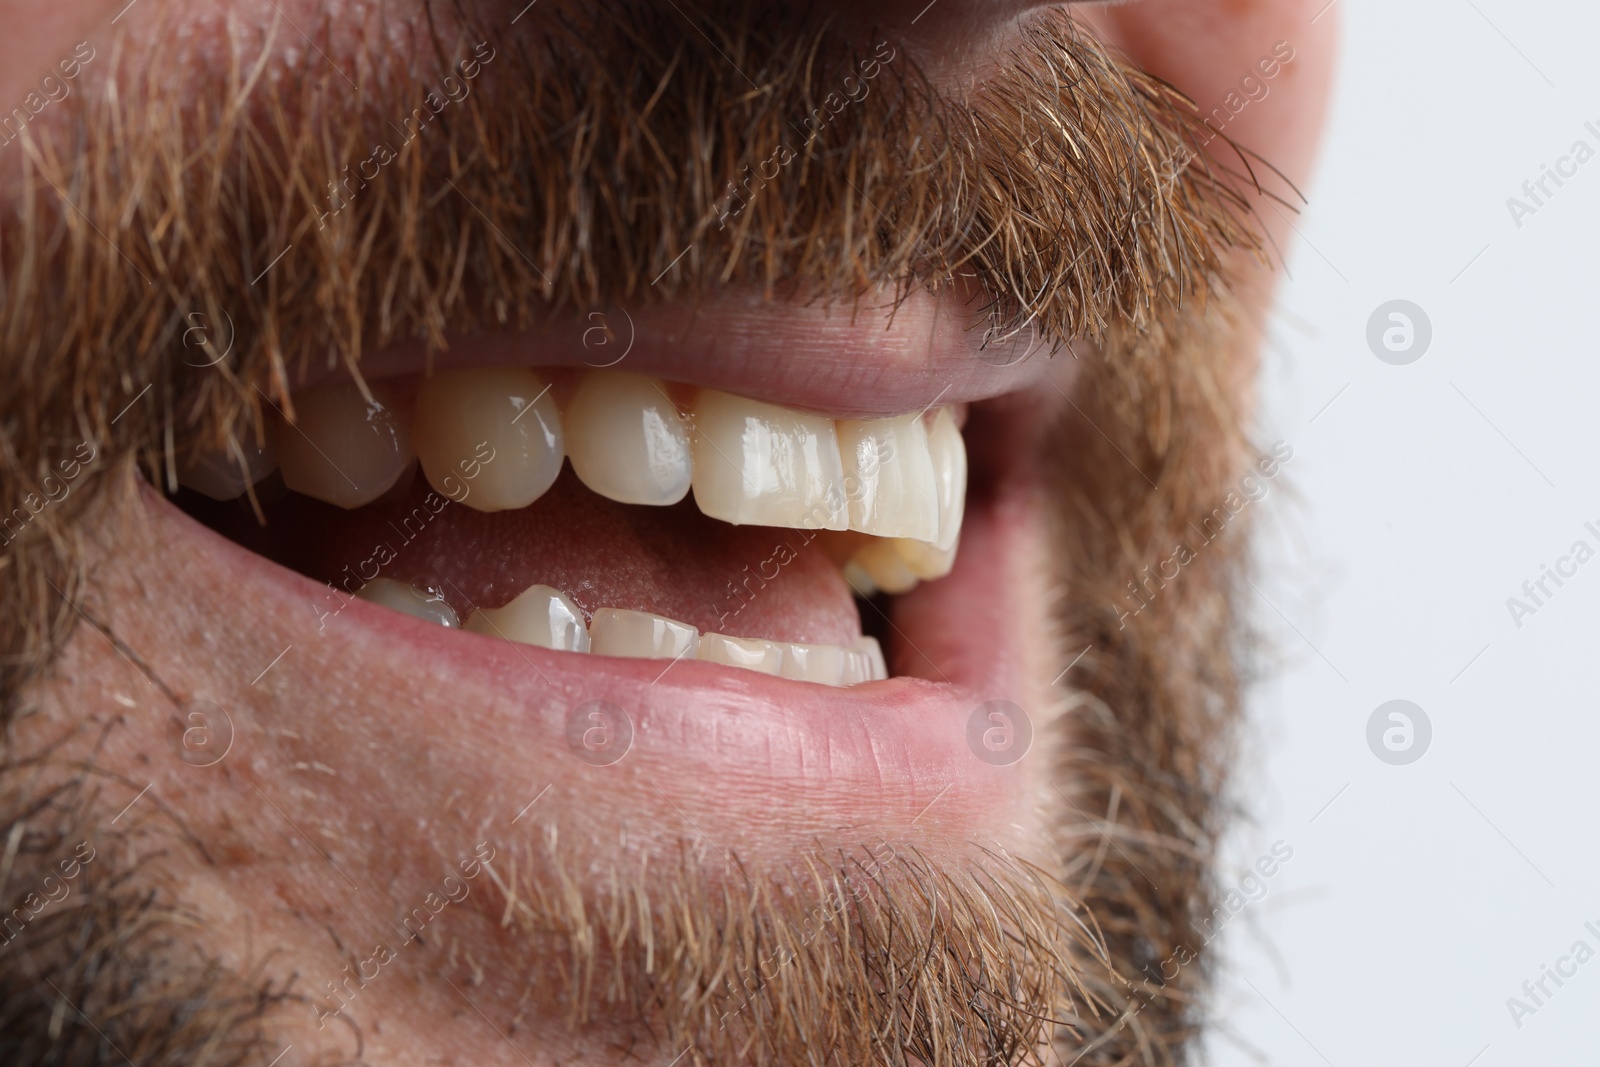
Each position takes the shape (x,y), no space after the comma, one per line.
(1421,897)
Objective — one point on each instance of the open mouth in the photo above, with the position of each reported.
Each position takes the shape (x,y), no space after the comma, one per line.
(599,527)
(448,498)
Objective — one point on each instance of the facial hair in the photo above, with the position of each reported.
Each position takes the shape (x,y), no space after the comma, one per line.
(1071,190)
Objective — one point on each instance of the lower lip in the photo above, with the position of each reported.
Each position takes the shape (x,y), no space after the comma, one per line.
(875,755)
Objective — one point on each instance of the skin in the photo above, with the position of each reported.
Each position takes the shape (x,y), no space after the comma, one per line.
(305,830)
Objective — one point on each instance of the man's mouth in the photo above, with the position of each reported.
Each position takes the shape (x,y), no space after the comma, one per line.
(609,513)
(679,551)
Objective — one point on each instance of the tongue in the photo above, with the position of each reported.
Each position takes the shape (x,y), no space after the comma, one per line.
(745,581)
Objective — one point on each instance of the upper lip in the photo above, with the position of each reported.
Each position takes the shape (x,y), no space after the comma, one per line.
(836,358)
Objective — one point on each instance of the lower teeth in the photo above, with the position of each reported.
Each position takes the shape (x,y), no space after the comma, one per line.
(547,618)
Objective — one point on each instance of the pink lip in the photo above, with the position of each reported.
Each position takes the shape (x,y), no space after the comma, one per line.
(757,754)
(824,359)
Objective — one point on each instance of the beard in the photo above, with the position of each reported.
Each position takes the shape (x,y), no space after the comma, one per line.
(1072,194)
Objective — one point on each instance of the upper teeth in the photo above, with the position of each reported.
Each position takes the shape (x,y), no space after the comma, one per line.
(464,417)
(344,448)
(494,439)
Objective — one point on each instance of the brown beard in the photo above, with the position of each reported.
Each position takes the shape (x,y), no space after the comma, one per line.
(1074,191)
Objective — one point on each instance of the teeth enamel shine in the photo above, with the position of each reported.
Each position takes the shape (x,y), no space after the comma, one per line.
(627,441)
(398,596)
(497,427)
(890,467)
(343,449)
(869,649)
(822,664)
(641,634)
(897,564)
(539,616)
(220,475)
(763,465)
(547,617)
(751,653)
(949,454)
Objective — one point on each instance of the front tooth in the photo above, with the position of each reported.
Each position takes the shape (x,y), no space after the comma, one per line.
(868,647)
(430,607)
(764,465)
(540,615)
(856,668)
(823,664)
(220,476)
(489,438)
(949,454)
(641,634)
(935,557)
(750,653)
(627,441)
(342,448)
(890,477)
(879,565)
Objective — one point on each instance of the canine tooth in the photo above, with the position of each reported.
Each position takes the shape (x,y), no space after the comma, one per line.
(488,438)
(872,652)
(823,664)
(949,453)
(540,615)
(750,653)
(641,634)
(924,560)
(343,449)
(627,441)
(890,477)
(219,475)
(881,565)
(764,465)
(429,607)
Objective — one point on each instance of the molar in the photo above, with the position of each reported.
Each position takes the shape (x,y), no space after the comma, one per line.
(342,448)
(496,425)
(227,474)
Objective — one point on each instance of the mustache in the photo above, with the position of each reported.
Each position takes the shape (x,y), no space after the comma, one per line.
(321,210)
(314,210)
